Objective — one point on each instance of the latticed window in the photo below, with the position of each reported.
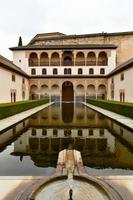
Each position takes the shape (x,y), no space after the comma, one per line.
(80,71)
(91,71)
(54,71)
(44,71)
(102,71)
(33,71)
(122,76)
(13,77)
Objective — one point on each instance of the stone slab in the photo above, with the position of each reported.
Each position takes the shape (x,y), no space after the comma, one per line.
(126,121)
(9,121)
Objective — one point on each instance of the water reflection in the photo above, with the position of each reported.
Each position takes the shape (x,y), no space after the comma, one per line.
(34,144)
(67,112)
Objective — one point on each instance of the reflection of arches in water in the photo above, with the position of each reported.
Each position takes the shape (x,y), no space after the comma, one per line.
(91,144)
(67,112)
(80,116)
(90,114)
(79,144)
(55,112)
(34,144)
(55,144)
(67,91)
(44,144)
(67,143)
(100,116)
(102,144)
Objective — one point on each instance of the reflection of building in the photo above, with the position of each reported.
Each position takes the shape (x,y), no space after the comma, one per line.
(68,114)
(13,133)
(71,67)
(50,141)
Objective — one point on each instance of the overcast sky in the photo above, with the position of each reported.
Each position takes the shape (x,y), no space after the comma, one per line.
(26,18)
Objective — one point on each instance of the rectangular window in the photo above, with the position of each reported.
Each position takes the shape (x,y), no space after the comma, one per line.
(54,71)
(23,80)
(80,71)
(102,71)
(122,76)
(33,71)
(44,72)
(13,78)
(91,71)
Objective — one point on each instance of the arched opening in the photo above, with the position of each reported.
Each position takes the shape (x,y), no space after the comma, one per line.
(102,59)
(91,59)
(34,92)
(91,92)
(14,97)
(80,93)
(101,92)
(80,59)
(67,91)
(33,59)
(55,93)
(44,60)
(44,92)
(55,59)
(67,58)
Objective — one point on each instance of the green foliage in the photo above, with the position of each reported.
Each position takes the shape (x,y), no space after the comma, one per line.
(9,109)
(20,43)
(122,108)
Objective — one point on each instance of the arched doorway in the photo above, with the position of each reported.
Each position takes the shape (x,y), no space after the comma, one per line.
(67,91)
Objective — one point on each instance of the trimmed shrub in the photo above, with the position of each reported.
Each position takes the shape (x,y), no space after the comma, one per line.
(9,109)
(121,108)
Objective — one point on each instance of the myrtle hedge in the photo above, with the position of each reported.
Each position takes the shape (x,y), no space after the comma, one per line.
(121,108)
(9,109)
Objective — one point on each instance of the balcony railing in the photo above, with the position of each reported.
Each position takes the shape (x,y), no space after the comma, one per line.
(44,63)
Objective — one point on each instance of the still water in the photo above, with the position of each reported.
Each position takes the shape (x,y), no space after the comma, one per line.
(32,146)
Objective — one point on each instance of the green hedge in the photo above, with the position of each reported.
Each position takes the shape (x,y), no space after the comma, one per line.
(121,108)
(9,109)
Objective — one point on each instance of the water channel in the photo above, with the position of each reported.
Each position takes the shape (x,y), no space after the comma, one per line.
(32,146)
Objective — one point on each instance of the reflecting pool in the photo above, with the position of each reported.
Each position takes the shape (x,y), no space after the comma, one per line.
(32,146)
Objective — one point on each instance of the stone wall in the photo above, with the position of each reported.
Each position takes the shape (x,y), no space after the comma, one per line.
(124,43)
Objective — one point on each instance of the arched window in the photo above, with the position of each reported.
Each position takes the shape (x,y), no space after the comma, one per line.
(91,71)
(44,60)
(33,59)
(80,59)
(102,59)
(44,71)
(80,71)
(91,59)
(102,71)
(54,71)
(55,59)
(33,71)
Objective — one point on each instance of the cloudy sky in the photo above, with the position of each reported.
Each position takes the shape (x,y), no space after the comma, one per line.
(29,17)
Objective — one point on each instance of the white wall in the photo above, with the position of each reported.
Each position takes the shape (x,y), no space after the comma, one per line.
(126,85)
(20,58)
(6,85)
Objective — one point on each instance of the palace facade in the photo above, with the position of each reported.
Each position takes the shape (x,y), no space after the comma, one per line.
(70,68)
